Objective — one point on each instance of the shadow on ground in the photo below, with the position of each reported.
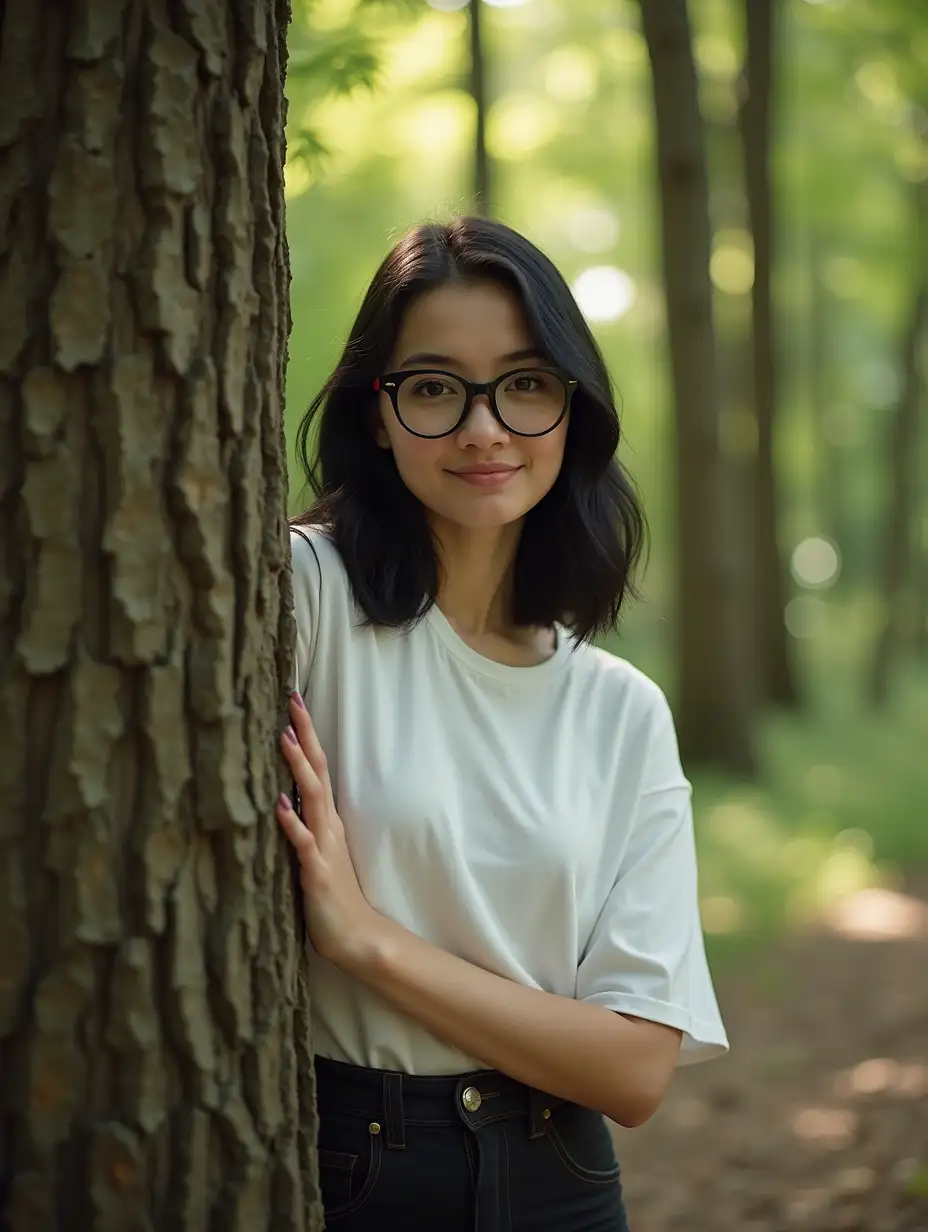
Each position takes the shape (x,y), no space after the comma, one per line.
(818,1119)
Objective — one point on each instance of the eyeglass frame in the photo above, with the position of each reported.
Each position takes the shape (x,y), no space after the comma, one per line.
(390,383)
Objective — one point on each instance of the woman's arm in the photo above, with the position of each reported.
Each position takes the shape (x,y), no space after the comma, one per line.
(581,1052)
(573,1049)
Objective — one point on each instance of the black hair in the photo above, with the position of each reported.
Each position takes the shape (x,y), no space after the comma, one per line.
(579,544)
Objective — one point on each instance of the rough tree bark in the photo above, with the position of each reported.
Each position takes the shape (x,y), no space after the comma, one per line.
(773,670)
(478,89)
(712,714)
(153,1009)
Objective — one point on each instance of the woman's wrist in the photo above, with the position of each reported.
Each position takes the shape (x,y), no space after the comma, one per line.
(365,951)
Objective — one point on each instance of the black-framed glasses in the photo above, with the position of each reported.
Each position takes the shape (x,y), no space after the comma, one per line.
(430,402)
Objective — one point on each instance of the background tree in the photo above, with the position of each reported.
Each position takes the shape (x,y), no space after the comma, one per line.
(772,674)
(712,715)
(478,89)
(154,1025)
(573,167)
(899,556)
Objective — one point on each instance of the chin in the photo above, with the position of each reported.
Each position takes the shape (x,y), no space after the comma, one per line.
(486,513)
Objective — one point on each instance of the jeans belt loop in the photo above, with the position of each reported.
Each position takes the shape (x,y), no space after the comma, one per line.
(538,1102)
(394,1118)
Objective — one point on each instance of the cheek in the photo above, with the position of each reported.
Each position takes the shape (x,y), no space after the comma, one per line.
(547,456)
(416,460)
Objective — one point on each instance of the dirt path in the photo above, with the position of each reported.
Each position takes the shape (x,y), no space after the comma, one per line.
(818,1120)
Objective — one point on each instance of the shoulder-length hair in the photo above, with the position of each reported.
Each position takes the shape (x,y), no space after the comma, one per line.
(580,543)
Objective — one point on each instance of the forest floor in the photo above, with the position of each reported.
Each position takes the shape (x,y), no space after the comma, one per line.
(818,1118)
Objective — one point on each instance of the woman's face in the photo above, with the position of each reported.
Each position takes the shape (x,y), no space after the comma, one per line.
(476,330)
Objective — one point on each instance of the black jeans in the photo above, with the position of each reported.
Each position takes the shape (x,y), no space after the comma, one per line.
(473,1152)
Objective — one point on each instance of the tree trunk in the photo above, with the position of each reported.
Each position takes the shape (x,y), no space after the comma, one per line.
(920,567)
(154,1020)
(827,515)
(898,585)
(737,421)
(773,672)
(478,89)
(712,714)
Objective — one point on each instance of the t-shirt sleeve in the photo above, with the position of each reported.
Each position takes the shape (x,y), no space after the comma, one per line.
(646,955)
(307,595)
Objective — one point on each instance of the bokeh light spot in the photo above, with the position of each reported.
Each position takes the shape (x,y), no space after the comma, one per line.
(805,616)
(519,125)
(815,562)
(570,74)
(732,266)
(593,229)
(604,292)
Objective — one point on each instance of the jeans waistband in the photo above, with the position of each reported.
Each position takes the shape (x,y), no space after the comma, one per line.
(397,1100)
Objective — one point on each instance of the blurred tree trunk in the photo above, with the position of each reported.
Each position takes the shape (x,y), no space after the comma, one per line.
(773,673)
(737,420)
(828,460)
(921,522)
(478,89)
(898,564)
(153,1007)
(712,714)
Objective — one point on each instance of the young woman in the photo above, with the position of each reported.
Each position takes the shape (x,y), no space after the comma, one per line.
(493,827)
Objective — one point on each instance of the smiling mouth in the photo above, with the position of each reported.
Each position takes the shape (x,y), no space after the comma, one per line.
(490,477)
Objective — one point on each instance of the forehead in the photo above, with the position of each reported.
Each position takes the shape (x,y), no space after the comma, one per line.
(473,323)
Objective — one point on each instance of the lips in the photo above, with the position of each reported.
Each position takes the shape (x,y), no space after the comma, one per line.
(491,476)
(486,470)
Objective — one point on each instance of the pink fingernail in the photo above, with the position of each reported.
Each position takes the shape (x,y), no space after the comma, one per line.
(284,800)
(298,700)
(291,735)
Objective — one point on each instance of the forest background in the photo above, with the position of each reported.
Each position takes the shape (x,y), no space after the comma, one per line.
(381,135)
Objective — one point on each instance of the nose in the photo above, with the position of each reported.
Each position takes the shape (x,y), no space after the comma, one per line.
(481,427)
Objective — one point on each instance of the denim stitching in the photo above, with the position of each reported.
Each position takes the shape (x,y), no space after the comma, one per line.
(594,1176)
(367,1188)
(508,1180)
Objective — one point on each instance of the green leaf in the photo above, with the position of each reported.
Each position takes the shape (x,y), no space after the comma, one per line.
(337,64)
(306,146)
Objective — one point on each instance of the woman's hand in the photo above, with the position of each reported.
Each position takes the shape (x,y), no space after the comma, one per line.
(341,922)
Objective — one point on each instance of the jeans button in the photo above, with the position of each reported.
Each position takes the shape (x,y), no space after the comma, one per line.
(471,1099)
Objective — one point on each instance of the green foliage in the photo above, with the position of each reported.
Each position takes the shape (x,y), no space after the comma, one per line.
(337,64)
(331,62)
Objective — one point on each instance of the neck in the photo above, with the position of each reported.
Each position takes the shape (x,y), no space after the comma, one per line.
(475,592)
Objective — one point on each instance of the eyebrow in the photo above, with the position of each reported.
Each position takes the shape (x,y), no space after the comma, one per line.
(431,357)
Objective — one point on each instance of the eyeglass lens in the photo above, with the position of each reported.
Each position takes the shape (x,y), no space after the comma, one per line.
(529,402)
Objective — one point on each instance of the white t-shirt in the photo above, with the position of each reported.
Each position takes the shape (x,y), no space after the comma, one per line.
(533,820)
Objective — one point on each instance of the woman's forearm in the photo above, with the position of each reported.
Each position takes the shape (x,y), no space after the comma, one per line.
(572,1049)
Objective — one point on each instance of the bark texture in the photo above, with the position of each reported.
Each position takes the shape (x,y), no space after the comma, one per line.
(154,1034)
(712,715)
(773,670)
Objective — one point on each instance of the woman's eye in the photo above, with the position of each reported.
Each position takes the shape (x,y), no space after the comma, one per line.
(526,384)
(431,389)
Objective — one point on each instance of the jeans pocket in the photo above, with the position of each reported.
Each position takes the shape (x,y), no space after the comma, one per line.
(347,1176)
(583,1144)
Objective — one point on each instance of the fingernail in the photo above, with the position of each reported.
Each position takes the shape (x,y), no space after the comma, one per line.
(291,735)
(284,800)
(298,699)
